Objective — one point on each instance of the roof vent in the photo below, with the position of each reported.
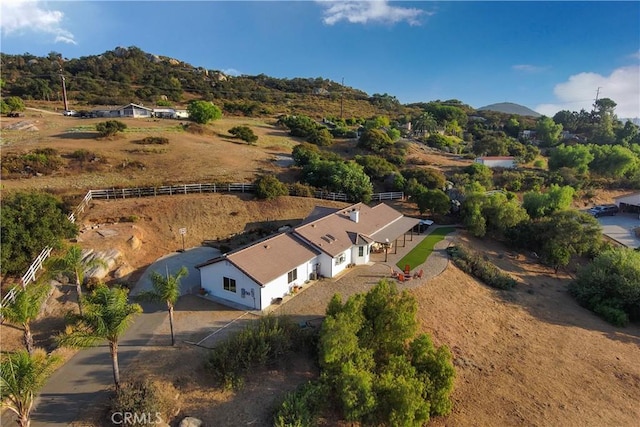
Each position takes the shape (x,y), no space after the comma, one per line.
(267,246)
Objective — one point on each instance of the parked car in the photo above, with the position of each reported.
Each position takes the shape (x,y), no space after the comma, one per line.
(69,113)
(603,210)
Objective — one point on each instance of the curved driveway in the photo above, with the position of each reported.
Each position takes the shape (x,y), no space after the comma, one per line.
(88,375)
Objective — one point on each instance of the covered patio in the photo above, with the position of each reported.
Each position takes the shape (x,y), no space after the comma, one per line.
(387,238)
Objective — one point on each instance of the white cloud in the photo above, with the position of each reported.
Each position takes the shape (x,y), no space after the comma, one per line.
(364,12)
(622,86)
(22,16)
(529,68)
(635,55)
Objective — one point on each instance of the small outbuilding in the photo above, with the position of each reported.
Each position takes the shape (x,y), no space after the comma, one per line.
(628,203)
(497,161)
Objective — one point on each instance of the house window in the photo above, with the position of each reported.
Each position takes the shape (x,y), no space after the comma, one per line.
(340,259)
(229,284)
(292,276)
(360,250)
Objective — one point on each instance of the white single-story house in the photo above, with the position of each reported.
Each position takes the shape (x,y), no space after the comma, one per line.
(138,111)
(497,161)
(134,111)
(629,202)
(326,243)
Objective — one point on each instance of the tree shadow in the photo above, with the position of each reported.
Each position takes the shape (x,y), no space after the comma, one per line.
(78,135)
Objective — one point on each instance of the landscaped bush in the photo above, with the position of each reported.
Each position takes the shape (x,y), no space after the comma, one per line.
(259,344)
(301,407)
(472,263)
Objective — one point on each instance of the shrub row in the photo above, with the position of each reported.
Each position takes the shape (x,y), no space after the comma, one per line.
(472,263)
(258,345)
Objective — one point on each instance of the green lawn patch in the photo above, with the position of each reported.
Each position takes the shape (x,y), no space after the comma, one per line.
(421,252)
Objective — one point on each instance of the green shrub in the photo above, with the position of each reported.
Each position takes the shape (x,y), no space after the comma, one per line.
(245,133)
(301,407)
(110,127)
(269,187)
(259,344)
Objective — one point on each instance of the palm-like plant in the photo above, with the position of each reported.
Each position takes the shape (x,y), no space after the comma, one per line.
(107,315)
(72,262)
(165,289)
(21,376)
(25,308)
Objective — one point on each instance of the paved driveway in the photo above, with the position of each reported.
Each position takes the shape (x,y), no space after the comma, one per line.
(88,375)
(172,263)
(620,228)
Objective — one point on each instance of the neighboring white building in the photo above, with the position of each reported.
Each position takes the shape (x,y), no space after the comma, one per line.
(133,110)
(497,161)
(325,244)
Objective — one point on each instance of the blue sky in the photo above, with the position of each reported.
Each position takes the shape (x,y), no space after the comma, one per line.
(548,56)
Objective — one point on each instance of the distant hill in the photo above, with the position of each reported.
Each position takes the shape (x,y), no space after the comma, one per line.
(511,108)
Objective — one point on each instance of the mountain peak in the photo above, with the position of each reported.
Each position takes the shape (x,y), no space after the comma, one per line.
(511,108)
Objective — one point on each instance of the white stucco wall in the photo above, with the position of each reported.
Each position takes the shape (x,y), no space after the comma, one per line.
(211,279)
(336,269)
(359,260)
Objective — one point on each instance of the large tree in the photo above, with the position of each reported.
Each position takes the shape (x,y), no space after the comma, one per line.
(610,285)
(22,375)
(72,262)
(203,111)
(166,288)
(24,309)
(547,131)
(378,370)
(107,315)
(556,198)
(30,222)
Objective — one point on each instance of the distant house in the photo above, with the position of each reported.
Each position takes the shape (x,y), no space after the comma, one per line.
(132,110)
(527,135)
(325,244)
(170,113)
(497,161)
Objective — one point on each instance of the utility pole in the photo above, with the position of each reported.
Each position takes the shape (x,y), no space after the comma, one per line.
(64,91)
(342,100)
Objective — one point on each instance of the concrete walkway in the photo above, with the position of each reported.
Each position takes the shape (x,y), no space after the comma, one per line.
(88,375)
